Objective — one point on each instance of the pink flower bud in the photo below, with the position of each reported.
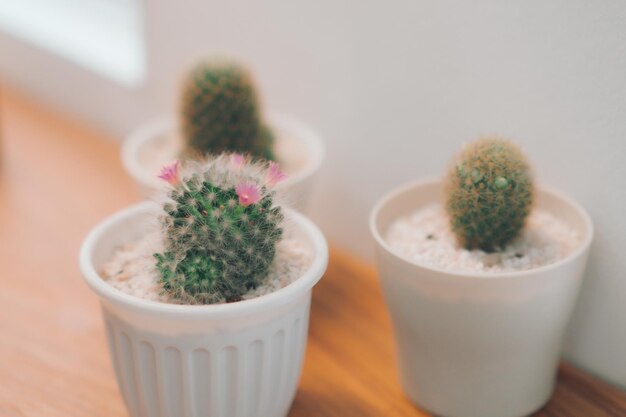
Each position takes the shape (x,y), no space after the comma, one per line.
(169,173)
(248,193)
(274,174)
(237,160)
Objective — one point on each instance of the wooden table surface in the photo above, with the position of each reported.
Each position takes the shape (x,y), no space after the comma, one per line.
(57,179)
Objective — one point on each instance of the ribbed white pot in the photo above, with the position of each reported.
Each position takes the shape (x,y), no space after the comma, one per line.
(478,344)
(240,359)
(299,152)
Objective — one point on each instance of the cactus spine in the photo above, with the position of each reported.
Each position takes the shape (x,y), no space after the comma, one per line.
(220,112)
(489,194)
(220,228)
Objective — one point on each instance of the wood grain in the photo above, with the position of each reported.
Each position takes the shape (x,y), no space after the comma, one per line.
(57,179)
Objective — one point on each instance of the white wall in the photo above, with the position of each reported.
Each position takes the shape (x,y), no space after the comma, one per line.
(396,86)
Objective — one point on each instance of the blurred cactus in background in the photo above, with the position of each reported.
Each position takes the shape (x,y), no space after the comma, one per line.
(489,193)
(220,112)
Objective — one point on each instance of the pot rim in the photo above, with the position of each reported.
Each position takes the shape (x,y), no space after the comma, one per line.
(150,130)
(381,242)
(282,296)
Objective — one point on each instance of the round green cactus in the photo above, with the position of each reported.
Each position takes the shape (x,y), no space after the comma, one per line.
(220,112)
(489,193)
(220,229)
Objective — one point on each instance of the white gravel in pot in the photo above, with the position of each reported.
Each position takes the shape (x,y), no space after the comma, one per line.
(132,269)
(425,237)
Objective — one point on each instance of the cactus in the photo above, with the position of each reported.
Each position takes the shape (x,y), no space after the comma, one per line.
(489,194)
(220,112)
(220,228)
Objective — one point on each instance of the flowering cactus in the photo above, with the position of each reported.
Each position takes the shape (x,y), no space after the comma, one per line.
(489,194)
(220,228)
(220,112)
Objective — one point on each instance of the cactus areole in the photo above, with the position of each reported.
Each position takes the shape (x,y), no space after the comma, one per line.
(220,228)
(488,194)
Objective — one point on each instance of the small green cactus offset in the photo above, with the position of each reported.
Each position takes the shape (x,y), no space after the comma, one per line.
(220,112)
(489,193)
(220,228)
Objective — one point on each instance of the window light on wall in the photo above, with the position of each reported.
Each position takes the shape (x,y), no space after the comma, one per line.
(104,36)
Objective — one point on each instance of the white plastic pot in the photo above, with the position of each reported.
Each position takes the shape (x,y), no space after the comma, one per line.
(299,152)
(227,360)
(478,344)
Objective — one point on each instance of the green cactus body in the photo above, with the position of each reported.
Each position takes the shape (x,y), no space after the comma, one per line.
(219,240)
(489,194)
(220,112)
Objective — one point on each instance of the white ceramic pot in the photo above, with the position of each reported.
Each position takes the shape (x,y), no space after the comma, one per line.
(299,152)
(478,344)
(227,360)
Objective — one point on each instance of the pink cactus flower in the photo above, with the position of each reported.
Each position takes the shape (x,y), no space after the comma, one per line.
(237,160)
(274,174)
(169,173)
(248,193)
